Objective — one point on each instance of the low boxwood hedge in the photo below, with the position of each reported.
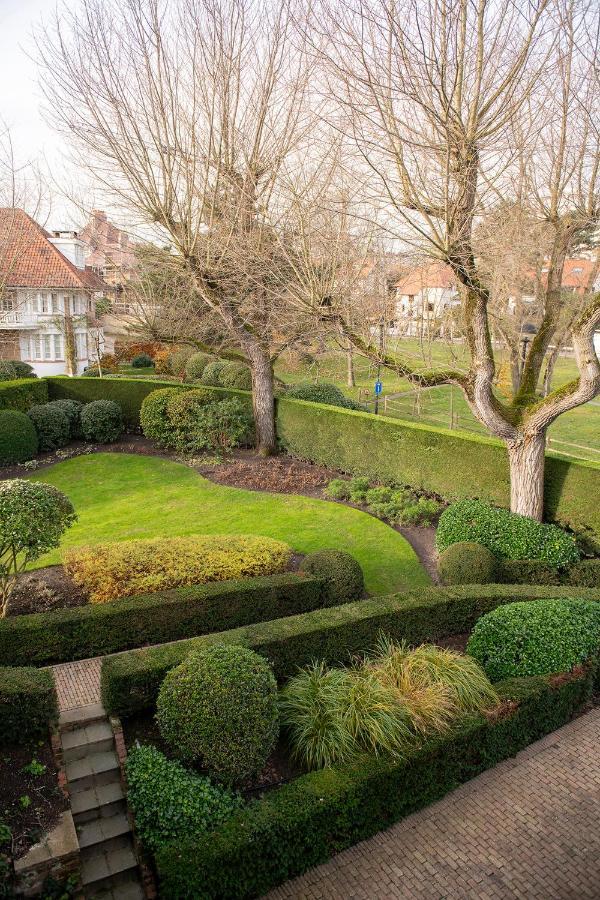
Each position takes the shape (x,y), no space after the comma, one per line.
(23,393)
(130,681)
(28,704)
(98,629)
(304,823)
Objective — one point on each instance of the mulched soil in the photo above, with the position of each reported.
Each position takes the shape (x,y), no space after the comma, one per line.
(45,589)
(278,474)
(29,804)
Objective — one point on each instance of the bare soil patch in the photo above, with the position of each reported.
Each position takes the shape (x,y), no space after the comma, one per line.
(43,590)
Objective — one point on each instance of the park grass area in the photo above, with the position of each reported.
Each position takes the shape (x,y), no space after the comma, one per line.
(120,497)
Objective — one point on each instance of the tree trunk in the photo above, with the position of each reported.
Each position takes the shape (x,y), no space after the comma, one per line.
(526,458)
(263,404)
(350,367)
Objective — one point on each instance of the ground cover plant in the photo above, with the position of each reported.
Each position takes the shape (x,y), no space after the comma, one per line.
(399,506)
(110,571)
(121,497)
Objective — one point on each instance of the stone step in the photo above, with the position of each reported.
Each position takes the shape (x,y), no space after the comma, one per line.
(81,715)
(96,802)
(101,832)
(80,742)
(92,771)
(106,871)
(126,890)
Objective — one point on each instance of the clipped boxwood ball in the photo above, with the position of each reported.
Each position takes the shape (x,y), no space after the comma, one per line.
(196,364)
(343,573)
(72,410)
(52,426)
(211,376)
(142,361)
(467,563)
(154,420)
(236,375)
(220,706)
(534,638)
(18,437)
(101,421)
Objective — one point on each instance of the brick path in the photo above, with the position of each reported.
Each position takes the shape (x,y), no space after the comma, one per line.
(528,829)
(77,683)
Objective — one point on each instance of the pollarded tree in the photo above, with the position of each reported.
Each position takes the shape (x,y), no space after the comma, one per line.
(454,106)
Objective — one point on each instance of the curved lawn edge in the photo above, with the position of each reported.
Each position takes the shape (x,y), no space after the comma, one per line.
(128,496)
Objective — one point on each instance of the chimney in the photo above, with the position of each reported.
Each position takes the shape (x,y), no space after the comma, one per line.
(70,246)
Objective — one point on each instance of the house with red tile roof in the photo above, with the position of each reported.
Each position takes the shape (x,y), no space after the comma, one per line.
(426,296)
(47,297)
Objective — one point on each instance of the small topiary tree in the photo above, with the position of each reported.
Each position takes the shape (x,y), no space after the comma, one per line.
(220,706)
(236,375)
(33,518)
(18,437)
(154,419)
(72,410)
(52,426)
(212,373)
(196,364)
(142,361)
(342,572)
(534,638)
(467,563)
(101,421)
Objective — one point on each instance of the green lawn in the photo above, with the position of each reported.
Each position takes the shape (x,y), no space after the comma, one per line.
(122,496)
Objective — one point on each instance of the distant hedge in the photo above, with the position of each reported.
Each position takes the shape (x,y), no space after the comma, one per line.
(28,704)
(130,681)
(23,393)
(303,823)
(97,629)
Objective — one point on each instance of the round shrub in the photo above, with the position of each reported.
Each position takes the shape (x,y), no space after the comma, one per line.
(508,535)
(18,437)
(467,563)
(196,364)
(236,375)
(11,369)
(534,638)
(52,426)
(154,420)
(320,393)
(72,410)
(101,421)
(343,573)
(220,706)
(212,373)
(220,425)
(142,361)
(177,360)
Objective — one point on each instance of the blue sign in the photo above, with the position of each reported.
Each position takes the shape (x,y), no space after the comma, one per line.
(378,387)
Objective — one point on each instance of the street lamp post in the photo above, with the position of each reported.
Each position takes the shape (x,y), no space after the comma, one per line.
(378,382)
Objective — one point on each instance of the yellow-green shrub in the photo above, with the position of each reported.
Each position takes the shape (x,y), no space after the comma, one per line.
(110,571)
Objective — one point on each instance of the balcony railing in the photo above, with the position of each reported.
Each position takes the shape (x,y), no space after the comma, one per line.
(18,319)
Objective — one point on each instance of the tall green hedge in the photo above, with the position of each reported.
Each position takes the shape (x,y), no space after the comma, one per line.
(130,681)
(101,628)
(23,393)
(302,824)
(28,704)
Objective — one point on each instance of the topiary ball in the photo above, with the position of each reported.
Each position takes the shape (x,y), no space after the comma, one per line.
(52,426)
(142,361)
(178,359)
(342,572)
(236,375)
(196,364)
(467,563)
(538,637)
(11,369)
(18,437)
(220,706)
(72,410)
(319,393)
(154,420)
(101,421)
(212,373)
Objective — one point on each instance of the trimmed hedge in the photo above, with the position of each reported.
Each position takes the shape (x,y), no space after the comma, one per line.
(18,437)
(533,571)
(130,681)
(304,823)
(342,572)
(98,629)
(28,704)
(23,393)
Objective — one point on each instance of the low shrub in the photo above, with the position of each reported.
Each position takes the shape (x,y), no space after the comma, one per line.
(102,421)
(529,571)
(196,364)
(178,359)
(18,437)
(212,373)
(109,362)
(359,488)
(12,369)
(343,574)
(467,563)
(52,426)
(320,393)
(142,361)
(23,393)
(338,489)
(506,534)
(401,506)
(220,706)
(584,574)
(72,410)
(109,571)
(161,362)
(220,426)
(171,803)
(28,704)
(236,375)
(154,418)
(534,639)
(184,410)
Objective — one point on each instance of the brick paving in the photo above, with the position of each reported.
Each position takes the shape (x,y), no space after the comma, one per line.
(527,829)
(77,683)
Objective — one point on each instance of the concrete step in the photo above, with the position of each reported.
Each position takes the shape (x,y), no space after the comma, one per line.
(96,802)
(126,890)
(101,832)
(81,715)
(80,742)
(92,771)
(107,871)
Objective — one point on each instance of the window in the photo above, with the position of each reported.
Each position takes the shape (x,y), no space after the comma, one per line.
(35,348)
(47,348)
(58,351)
(81,345)
(430,306)
(45,303)
(7,304)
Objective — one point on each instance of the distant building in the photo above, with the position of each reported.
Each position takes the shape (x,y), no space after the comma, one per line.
(47,297)
(425,298)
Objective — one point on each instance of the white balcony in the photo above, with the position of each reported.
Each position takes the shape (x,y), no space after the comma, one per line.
(17,320)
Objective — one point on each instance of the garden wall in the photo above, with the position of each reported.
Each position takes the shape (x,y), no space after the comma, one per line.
(130,681)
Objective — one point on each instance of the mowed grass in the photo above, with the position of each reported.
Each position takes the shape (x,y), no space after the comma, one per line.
(120,497)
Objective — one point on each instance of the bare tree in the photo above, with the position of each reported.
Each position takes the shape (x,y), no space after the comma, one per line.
(190,116)
(454,106)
